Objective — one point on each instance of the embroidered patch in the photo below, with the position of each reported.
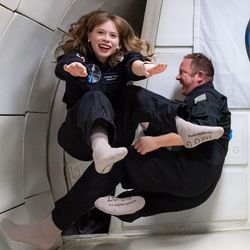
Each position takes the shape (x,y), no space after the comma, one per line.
(200,98)
(110,78)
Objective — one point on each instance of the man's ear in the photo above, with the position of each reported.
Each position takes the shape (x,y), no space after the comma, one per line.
(201,76)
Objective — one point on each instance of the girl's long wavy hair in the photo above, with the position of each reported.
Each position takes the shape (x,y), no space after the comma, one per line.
(77,36)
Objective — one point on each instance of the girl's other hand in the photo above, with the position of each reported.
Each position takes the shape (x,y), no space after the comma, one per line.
(76,69)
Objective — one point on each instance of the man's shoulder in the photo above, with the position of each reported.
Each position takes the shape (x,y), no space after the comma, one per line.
(209,88)
(206,92)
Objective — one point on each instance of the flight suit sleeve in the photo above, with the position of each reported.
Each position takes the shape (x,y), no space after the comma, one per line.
(68,58)
(127,66)
(205,109)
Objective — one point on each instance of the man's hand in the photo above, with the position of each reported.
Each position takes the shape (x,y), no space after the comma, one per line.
(76,69)
(146,144)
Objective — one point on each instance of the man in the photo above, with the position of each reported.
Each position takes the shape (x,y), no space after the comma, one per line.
(162,180)
(178,179)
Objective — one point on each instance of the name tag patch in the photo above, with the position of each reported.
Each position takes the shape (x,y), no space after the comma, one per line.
(200,98)
(110,78)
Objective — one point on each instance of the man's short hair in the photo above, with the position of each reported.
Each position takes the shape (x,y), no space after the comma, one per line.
(200,62)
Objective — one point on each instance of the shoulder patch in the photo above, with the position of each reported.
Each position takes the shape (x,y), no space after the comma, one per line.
(200,98)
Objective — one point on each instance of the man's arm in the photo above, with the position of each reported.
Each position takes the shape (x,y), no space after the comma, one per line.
(146,144)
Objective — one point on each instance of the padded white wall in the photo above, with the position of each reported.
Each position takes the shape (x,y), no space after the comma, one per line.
(28,37)
(5,16)
(179,13)
(11,139)
(22,46)
(11,4)
(49,12)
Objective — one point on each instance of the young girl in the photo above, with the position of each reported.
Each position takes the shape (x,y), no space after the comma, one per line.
(101,55)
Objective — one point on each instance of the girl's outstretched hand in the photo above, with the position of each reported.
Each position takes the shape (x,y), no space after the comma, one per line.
(76,69)
(152,69)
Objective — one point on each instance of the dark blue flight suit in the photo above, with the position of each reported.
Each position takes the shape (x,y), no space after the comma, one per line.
(88,102)
(169,180)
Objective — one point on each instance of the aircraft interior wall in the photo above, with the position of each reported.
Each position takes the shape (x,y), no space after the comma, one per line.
(35,171)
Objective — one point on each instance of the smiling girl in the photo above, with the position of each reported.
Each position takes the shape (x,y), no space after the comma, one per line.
(101,55)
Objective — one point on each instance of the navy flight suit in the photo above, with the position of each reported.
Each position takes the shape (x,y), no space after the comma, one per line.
(88,101)
(169,180)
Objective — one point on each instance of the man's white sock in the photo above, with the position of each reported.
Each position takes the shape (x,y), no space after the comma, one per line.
(120,206)
(42,235)
(193,134)
(104,155)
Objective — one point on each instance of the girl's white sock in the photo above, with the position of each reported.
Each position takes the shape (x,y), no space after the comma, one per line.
(193,134)
(104,155)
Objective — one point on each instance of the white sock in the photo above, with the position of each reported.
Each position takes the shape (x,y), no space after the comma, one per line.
(104,155)
(42,235)
(120,206)
(193,134)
